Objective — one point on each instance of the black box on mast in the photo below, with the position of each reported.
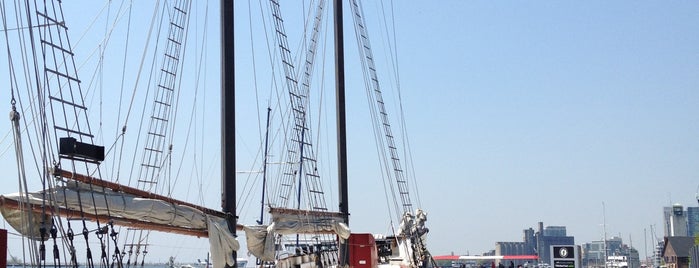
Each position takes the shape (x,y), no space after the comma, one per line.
(71,148)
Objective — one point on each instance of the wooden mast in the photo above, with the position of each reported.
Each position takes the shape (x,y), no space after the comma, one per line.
(341,128)
(228,118)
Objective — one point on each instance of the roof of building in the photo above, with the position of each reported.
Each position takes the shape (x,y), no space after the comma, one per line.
(678,246)
(520,257)
(446,257)
(496,257)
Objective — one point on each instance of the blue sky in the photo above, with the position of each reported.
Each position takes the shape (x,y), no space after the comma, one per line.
(517,112)
(542,111)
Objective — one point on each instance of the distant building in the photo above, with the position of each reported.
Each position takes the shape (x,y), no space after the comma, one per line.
(555,231)
(693,221)
(667,213)
(675,220)
(529,241)
(593,254)
(658,254)
(527,247)
(694,255)
(509,248)
(536,243)
(634,258)
(544,241)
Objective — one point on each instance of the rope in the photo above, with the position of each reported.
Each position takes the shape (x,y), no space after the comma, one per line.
(393,48)
(14,118)
(16,132)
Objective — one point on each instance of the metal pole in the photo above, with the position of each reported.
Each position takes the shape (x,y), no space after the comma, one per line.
(604,228)
(264,169)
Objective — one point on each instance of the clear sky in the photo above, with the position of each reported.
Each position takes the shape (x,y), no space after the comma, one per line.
(517,112)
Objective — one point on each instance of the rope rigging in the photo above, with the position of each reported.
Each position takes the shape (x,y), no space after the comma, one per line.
(55,79)
(299,185)
(58,111)
(412,226)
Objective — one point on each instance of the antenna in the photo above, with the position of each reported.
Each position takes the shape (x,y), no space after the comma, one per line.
(630,241)
(645,245)
(604,228)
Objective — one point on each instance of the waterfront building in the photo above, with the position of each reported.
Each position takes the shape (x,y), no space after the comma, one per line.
(676,251)
(535,243)
(526,247)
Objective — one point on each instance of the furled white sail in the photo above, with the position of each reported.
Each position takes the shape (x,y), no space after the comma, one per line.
(27,224)
(119,205)
(221,242)
(260,238)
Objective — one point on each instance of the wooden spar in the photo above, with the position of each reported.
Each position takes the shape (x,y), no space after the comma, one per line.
(130,190)
(69,213)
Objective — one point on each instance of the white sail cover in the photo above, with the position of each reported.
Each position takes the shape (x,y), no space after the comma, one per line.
(260,242)
(27,224)
(221,242)
(117,204)
(126,206)
(260,238)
